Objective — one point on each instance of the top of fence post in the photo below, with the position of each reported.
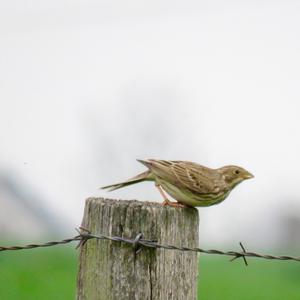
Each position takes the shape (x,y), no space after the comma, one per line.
(111,270)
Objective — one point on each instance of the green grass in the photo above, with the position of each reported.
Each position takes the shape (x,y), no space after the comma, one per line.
(48,273)
(51,274)
(261,279)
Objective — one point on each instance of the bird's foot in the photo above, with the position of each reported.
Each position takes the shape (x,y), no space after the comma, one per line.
(173,204)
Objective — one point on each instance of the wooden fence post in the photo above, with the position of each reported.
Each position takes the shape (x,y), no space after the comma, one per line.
(111,271)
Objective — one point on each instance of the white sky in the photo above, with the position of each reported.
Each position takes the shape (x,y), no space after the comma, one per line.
(86,87)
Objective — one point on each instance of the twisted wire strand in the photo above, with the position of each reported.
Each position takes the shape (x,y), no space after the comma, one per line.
(47,244)
(84,235)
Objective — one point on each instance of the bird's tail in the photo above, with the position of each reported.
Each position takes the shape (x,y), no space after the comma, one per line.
(139,178)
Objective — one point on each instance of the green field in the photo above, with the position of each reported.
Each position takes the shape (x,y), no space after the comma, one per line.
(261,279)
(51,274)
(38,274)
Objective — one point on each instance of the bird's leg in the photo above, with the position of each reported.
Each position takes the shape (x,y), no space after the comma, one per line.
(167,202)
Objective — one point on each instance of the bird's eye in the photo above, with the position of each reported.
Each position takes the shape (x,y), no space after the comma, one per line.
(237,172)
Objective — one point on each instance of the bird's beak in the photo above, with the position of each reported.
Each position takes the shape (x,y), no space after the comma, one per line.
(248,176)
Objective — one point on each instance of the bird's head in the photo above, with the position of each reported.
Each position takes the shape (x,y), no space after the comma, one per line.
(233,175)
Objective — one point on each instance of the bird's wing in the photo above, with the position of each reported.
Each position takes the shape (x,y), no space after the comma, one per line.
(189,175)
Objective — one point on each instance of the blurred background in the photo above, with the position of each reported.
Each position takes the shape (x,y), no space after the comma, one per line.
(86,87)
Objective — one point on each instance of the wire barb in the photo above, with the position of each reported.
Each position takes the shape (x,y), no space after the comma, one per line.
(136,243)
(238,255)
(84,234)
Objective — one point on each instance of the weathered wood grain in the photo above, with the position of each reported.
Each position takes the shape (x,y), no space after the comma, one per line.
(110,270)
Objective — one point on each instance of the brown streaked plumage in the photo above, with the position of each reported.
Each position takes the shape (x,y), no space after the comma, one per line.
(188,183)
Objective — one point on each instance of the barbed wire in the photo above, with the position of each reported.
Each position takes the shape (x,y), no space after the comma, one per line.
(47,244)
(138,242)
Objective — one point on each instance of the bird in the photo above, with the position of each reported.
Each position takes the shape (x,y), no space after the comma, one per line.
(189,183)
